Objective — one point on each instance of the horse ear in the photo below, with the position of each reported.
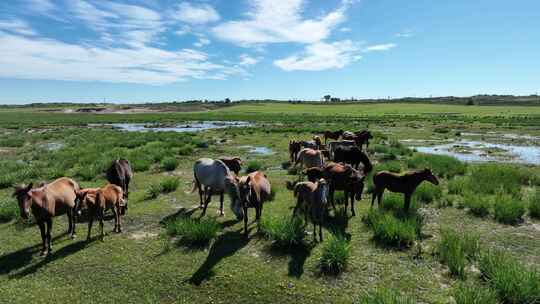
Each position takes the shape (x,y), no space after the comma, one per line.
(30,186)
(248,179)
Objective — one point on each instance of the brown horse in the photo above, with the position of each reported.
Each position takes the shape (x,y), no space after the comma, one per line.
(362,137)
(309,158)
(332,135)
(120,174)
(404,183)
(318,142)
(97,200)
(46,202)
(347,179)
(294,148)
(312,198)
(233,163)
(254,190)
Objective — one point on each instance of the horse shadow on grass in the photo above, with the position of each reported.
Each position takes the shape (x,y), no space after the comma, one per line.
(224,246)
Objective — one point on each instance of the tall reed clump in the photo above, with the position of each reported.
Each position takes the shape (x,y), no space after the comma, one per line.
(513,281)
(284,232)
(478,205)
(335,255)
(389,230)
(494,178)
(169,184)
(508,210)
(169,163)
(441,165)
(534,204)
(458,185)
(428,193)
(385,296)
(152,191)
(456,250)
(193,232)
(472,293)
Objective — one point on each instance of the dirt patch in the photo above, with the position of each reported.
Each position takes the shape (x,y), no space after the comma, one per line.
(141,235)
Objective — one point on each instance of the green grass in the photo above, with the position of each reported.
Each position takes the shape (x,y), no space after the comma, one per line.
(388,230)
(455,250)
(253,166)
(193,232)
(493,178)
(513,281)
(153,191)
(508,210)
(478,204)
(458,185)
(169,184)
(473,293)
(428,193)
(392,166)
(169,163)
(335,255)
(385,296)
(9,210)
(534,204)
(284,232)
(440,165)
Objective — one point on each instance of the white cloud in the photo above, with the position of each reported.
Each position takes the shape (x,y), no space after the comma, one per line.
(40,58)
(379,47)
(195,13)
(321,56)
(271,21)
(405,34)
(202,42)
(183,30)
(16,26)
(40,6)
(245,60)
(345,29)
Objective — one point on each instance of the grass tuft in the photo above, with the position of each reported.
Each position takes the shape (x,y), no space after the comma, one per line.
(193,232)
(8,211)
(283,231)
(389,230)
(169,163)
(335,254)
(508,210)
(253,166)
(385,296)
(441,165)
(472,293)
(428,193)
(152,191)
(534,204)
(478,205)
(455,250)
(169,184)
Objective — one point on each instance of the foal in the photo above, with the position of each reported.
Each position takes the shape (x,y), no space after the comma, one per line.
(405,183)
(312,198)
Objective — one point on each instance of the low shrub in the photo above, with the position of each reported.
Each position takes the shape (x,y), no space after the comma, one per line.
(193,232)
(253,166)
(169,163)
(392,166)
(458,185)
(441,165)
(185,150)
(454,250)
(389,230)
(508,210)
(427,193)
(9,210)
(494,178)
(513,281)
(534,204)
(283,231)
(471,293)
(478,205)
(169,184)
(152,191)
(385,296)
(335,254)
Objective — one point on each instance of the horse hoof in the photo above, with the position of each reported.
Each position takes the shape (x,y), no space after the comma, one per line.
(73,236)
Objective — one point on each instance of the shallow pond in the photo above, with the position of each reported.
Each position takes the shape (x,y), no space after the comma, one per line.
(258,150)
(481,151)
(184,127)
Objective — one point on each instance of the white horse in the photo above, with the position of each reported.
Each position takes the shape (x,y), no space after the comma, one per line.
(216,178)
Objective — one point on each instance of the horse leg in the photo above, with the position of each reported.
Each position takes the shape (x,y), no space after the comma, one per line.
(258,216)
(352,203)
(321,219)
(71,215)
(70,221)
(206,201)
(245,221)
(407,201)
(374,195)
(90,222)
(379,198)
(346,194)
(100,214)
(221,213)
(49,228)
(41,225)
(200,195)
(331,195)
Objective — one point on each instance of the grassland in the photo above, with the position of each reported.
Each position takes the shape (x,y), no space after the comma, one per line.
(153,261)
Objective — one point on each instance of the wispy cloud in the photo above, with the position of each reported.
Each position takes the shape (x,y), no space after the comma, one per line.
(405,34)
(195,13)
(271,21)
(40,6)
(16,26)
(202,41)
(245,60)
(379,47)
(322,56)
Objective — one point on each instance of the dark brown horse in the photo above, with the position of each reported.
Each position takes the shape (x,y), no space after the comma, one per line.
(312,198)
(332,135)
(362,137)
(353,156)
(254,190)
(233,163)
(120,174)
(46,202)
(294,148)
(405,183)
(96,200)
(347,179)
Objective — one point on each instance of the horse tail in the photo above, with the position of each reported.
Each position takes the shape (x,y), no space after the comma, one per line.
(296,189)
(196,184)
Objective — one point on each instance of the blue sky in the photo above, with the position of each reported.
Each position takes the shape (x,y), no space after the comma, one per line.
(164,50)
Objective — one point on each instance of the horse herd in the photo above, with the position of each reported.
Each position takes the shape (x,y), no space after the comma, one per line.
(329,167)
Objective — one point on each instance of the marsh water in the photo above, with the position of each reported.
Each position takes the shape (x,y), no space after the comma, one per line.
(488,147)
(195,126)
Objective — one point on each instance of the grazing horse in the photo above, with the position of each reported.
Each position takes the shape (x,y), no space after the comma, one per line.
(120,174)
(309,158)
(96,200)
(216,178)
(254,190)
(353,156)
(233,163)
(294,148)
(312,198)
(333,145)
(344,178)
(318,142)
(362,138)
(47,202)
(309,144)
(348,135)
(313,174)
(405,183)
(332,135)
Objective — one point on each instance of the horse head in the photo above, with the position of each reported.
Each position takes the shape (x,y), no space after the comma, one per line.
(428,175)
(24,199)
(356,181)
(231,186)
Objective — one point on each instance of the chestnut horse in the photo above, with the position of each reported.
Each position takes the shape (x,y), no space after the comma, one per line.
(332,135)
(97,200)
(346,179)
(46,202)
(405,183)
(312,198)
(254,190)
(294,148)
